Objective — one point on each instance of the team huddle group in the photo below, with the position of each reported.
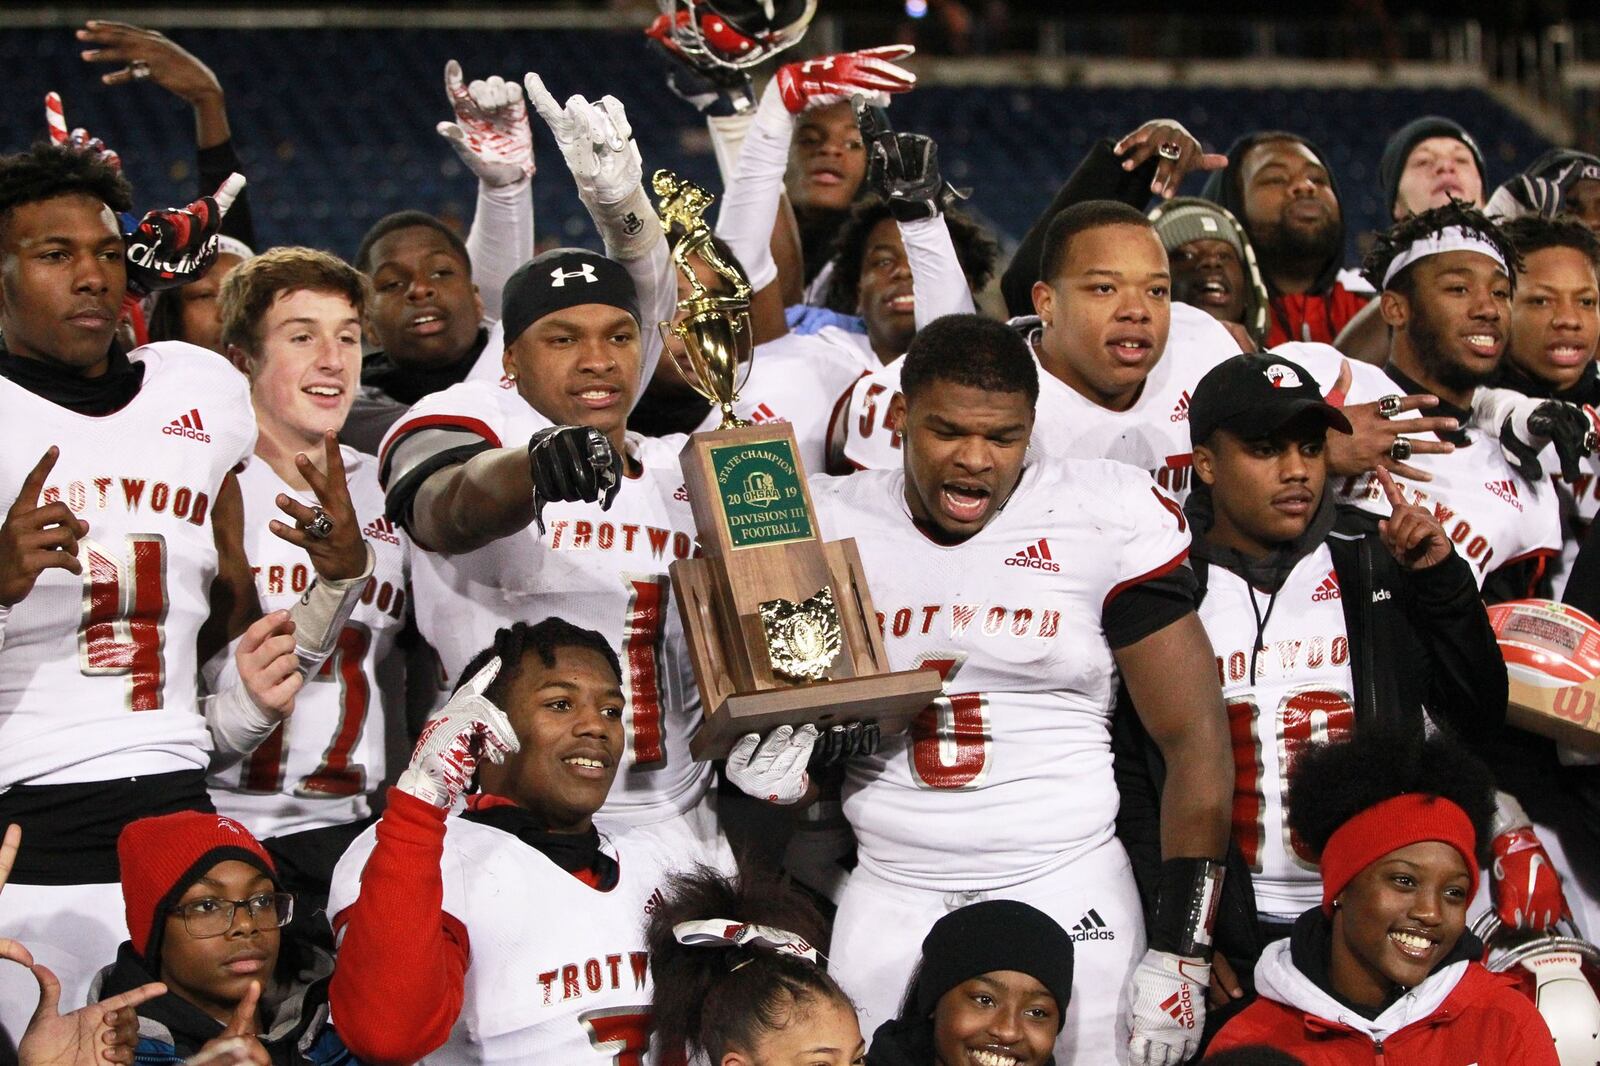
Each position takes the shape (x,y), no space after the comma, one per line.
(1200,541)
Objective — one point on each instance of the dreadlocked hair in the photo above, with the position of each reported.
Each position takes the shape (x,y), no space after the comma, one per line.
(1394,241)
(516,642)
(46,171)
(1535,233)
(714,999)
(975,250)
(1332,783)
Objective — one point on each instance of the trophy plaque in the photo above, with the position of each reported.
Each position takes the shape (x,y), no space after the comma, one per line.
(780,624)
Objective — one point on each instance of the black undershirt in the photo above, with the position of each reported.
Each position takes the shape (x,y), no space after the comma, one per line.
(60,384)
(1445,409)
(408,384)
(574,852)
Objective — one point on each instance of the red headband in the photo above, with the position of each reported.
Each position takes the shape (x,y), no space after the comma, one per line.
(1388,826)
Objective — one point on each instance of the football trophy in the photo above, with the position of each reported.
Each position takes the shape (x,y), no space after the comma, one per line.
(780,624)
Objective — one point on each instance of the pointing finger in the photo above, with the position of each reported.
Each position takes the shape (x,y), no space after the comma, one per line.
(33,484)
(452,80)
(55,117)
(1392,491)
(228,192)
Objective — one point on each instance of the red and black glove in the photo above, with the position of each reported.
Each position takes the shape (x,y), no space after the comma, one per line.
(173,246)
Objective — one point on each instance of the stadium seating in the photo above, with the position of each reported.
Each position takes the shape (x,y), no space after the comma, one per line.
(336,127)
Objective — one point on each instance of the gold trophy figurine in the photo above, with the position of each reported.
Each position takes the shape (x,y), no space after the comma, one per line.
(779,622)
(716,342)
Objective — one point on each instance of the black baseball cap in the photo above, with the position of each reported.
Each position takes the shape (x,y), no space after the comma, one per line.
(1254,394)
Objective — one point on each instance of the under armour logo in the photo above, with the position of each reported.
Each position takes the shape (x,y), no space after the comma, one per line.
(558,277)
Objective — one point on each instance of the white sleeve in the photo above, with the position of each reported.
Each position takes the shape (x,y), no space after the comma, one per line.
(656,280)
(727,140)
(937,280)
(750,199)
(1155,538)
(501,239)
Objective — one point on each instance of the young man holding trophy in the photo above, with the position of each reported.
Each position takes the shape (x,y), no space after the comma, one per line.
(1028,586)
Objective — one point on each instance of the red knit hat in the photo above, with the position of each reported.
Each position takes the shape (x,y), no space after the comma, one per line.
(162,856)
(1397,822)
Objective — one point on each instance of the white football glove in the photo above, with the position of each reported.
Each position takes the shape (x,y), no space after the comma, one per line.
(468,728)
(491,132)
(1169,1008)
(596,141)
(773,769)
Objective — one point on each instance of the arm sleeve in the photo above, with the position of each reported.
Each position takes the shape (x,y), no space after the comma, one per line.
(656,280)
(1149,606)
(1468,675)
(501,238)
(1099,177)
(936,275)
(400,978)
(214,164)
(434,434)
(750,200)
(1154,540)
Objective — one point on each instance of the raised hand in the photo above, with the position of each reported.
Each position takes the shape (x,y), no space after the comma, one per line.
(773,769)
(466,729)
(172,246)
(267,664)
(596,140)
(872,72)
(903,168)
(1179,151)
(55,120)
(106,1031)
(1524,425)
(34,539)
(1413,536)
(340,554)
(147,55)
(1368,445)
(491,132)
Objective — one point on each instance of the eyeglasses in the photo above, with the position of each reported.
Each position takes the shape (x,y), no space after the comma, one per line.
(213,917)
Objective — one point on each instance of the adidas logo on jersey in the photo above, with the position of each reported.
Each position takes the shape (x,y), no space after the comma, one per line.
(763,414)
(381,528)
(1506,489)
(1092,927)
(188,426)
(1328,590)
(1180,412)
(1035,557)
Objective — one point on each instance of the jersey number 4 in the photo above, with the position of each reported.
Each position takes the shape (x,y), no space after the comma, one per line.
(336,775)
(124,608)
(950,737)
(1303,718)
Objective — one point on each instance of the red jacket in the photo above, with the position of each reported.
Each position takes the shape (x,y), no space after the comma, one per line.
(1463,1015)
(1312,316)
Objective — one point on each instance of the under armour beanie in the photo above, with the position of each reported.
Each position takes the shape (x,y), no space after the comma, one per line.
(561,278)
(162,856)
(996,934)
(1413,133)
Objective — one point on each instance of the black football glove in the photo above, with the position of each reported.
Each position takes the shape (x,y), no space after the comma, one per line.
(903,168)
(1569,432)
(175,245)
(572,463)
(844,741)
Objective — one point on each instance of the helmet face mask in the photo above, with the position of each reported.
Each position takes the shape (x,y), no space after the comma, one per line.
(735,34)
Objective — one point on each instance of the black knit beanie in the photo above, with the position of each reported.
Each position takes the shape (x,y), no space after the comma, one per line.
(1407,137)
(997,934)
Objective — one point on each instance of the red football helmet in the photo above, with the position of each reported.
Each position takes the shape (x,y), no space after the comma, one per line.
(1560,973)
(1547,643)
(732,34)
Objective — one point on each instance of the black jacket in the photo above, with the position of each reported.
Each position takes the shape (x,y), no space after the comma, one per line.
(1420,641)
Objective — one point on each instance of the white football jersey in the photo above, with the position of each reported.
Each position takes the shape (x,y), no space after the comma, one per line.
(799,379)
(98,677)
(601,570)
(559,971)
(322,765)
(1292,690)
(1491,513)
(1009,775)
(1152,434)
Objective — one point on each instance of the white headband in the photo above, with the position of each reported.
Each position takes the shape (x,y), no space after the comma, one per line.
(1449,239)
(227,245)
(723,932)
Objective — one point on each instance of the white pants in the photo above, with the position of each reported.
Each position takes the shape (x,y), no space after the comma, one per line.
(73,929)
(695,835)
(877,943)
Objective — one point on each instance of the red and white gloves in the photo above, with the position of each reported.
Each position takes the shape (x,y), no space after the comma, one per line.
(773,769)
(459,734)
(1168,1008)
(1522,881)
(491,132)
(871,72)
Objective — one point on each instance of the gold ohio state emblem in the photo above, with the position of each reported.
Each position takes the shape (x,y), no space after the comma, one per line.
(803,639)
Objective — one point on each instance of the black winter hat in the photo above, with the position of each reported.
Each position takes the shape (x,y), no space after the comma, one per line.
(996,934)
(1407,137)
